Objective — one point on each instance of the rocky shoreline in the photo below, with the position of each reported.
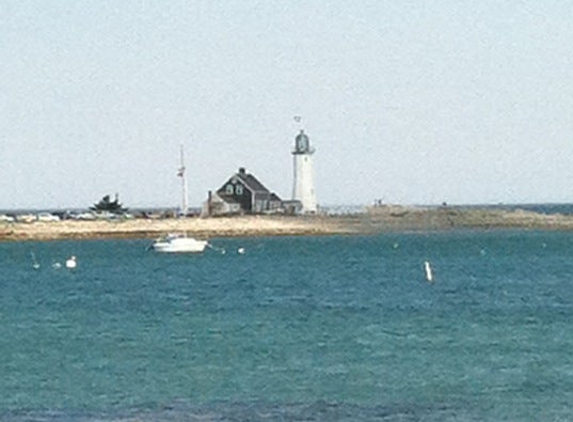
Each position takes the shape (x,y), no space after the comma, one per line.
(374,220)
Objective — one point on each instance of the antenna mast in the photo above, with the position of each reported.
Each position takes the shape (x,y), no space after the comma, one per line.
(184,195)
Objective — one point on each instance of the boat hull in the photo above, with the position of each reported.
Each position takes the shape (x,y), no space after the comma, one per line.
(179,245)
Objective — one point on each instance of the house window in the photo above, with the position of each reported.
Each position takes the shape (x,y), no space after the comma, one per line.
(239,189)
(229,189)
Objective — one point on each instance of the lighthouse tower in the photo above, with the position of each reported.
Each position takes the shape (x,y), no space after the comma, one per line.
(303,189)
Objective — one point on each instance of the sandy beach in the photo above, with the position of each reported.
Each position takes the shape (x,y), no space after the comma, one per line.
(142,228)
(373,220)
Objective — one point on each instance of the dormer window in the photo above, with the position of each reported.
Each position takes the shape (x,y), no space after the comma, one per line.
(229,189)
(239,189)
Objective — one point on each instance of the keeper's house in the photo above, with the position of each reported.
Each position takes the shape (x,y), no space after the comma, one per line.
(244,194)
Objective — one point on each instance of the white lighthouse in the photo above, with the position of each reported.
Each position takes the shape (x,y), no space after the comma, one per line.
(303,189)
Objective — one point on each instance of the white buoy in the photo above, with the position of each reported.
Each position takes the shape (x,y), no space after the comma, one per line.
(222,250)
(241,251)
(428,270)
(35,264)
(71,263)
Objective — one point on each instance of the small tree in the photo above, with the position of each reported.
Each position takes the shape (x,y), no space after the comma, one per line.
(106,204)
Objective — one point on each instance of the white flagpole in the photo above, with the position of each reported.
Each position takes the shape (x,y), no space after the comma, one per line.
(184,194)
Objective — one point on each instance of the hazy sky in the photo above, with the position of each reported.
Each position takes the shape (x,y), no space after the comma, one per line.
(407,101)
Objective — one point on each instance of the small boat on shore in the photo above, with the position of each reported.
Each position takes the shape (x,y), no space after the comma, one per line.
(179,243)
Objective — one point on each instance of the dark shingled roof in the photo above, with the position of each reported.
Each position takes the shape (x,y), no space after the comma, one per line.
(252,182)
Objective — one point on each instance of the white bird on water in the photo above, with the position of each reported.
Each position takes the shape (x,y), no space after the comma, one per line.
(71,263)
(428,270)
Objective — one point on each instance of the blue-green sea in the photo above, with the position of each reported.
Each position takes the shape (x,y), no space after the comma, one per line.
(341,328)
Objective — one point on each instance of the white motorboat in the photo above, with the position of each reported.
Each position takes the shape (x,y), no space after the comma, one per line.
(178,243)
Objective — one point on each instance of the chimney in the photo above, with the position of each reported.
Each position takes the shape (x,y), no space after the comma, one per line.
(242,171)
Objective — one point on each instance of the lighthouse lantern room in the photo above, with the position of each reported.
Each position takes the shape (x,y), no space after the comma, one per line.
(303,189)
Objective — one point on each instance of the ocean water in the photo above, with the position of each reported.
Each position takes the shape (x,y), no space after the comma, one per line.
(341,328)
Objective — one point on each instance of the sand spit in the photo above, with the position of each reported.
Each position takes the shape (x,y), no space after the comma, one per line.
(373,220)
(141,228)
